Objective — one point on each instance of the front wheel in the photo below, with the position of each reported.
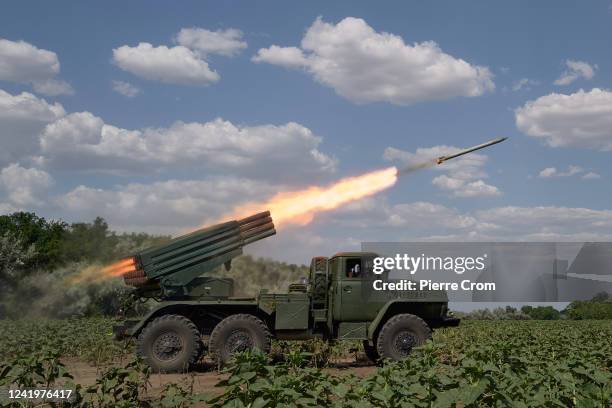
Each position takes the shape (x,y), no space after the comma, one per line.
(400,334)
(170,343)
(237,333)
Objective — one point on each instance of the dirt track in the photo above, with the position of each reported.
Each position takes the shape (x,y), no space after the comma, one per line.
(203,379)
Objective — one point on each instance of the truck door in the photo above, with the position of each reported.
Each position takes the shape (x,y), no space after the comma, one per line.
(349,285)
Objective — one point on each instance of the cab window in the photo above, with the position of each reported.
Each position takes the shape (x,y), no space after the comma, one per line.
(353,268)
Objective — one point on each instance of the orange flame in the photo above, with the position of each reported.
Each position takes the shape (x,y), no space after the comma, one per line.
(300,207)
(97,273)
(120,267)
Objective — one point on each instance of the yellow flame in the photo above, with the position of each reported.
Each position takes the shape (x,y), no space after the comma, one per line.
(300,207)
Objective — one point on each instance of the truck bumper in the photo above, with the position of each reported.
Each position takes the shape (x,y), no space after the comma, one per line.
(123,330)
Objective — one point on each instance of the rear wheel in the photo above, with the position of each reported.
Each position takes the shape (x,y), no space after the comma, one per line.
(237,333)
(170,343)
(400,334)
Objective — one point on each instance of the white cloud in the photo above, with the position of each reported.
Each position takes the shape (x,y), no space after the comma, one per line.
(125,88)
(575,70)
(542,220)
(364,66)
(53,87)
(22,118)
(425,215)
(171,206)
(82,140)
(6,208)
(548,172)
(173,65)
(24,186)
(290,57)
(591,176)
(463,176)
(553,172)
(462,188)
(223,42)
(22,62)
(431,221)
(524,83)
(582,119)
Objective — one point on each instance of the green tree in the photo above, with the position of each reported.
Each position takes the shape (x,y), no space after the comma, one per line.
(13,258)
(599,307)
(32,230)
(89,241)
(541,312)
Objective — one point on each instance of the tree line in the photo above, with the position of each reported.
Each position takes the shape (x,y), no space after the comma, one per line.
(599,307)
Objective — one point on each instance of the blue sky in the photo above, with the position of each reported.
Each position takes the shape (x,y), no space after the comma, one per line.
(492,73)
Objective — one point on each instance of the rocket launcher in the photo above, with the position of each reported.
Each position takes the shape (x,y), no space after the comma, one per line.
(168,270)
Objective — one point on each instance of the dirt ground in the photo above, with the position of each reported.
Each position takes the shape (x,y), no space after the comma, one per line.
(203,379)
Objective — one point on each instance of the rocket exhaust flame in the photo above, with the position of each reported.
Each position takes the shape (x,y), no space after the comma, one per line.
(299,207)
(95,274)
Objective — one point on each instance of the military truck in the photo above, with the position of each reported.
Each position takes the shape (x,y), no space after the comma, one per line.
(333,303)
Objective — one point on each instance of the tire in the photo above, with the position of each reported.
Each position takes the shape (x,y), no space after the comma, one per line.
(400,334)
(239,332)
(370,352)
(170,343)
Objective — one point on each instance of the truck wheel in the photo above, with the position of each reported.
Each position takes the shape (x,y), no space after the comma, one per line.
(400,335)
(236,333)
(170,343)
(370,352)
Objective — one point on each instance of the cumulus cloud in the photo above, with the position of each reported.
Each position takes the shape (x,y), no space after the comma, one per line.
(524,84)
(462,188)
(125,88)
(173,65)
(553,172)
(582,119)
(575,70)
(183,64)
(22,118)
(289,57)
(363,65)
(431,221)
(463,176)
(171,206)
(426,215)
(53,87)
(548,221)
(223,42)
(24,186)
(591,176)
(82,140)
(22,62)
